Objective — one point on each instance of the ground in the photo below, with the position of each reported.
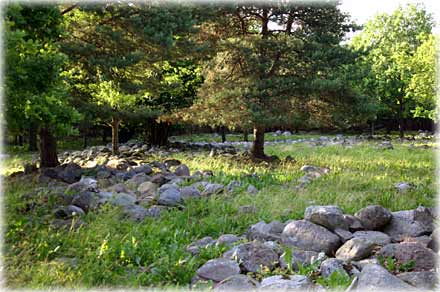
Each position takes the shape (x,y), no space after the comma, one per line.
(111,251)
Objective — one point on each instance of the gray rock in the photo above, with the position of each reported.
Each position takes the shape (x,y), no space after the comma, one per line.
(354,224)
(374,217)
(355,249)
(252,256)
(422,280)
(327,216)
(182,170)
(423,240)
(171,162)
(85,200)
(212,189)
(410,223)
(343,234)
(251,190)
(102,174)
(227,239)
(232,186)
(134,182)
(122,199)
(144,168)
(404,187)
(237,283)
(377,278)
(135,212)
(68,212)
(147,188)
(293,282)
(331,265)
(194,248)
(170,197)
(263,231)
(155,211)
(189,192)
(377,237)
(309,236)
(159,179)
(218,269)
(302,257)
(423,258)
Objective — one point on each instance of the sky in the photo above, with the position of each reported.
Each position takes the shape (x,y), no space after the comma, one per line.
(362,10)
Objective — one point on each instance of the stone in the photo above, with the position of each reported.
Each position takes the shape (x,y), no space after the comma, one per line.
(283,283)
(404,187)
(374,217)
(72,173)
(252,256)
(303,257)
(354,224)
(423,240)
(422,280)
(218,269)
(143,168)
(424,258)
(117,163)
(85,200)
(251,190)
(135,212)
(377,237)
(232,186)
(189,192)
(376,278)
(122,199)
(355,249)
(119,188)
(343,234)
(227,239)
(237,283)
(170,197)
(49,172)
(306,235)
(155,211)
(147,188)
(68,224)
(263,231)
(102,174)
(212,189)
(138,179)
(331,265)
(410,223)
(68,212)
(171,162)
(194,248)
(327,216)
(182,170)
(159,179)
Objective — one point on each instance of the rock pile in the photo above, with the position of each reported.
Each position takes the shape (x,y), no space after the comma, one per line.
(378,249)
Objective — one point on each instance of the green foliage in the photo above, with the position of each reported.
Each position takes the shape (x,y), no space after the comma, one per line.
(391,43)
(336,281)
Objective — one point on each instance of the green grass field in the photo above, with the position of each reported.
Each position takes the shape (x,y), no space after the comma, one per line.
(114,252)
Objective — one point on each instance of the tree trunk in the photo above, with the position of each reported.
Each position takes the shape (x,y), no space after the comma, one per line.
(401,131)
(48,149)
(115,135)
(33,138)
(223,134)
(257,149)
(158,133)
(246,136)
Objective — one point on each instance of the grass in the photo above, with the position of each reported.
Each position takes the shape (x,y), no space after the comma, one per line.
(111,251)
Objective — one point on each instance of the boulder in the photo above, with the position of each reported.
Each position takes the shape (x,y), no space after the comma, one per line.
(377,237)
(85,200)
(306,235)
(376,278)
(143,168)
(422,280)
(134,182)
(252,256)
(355,249)
(182,170)
(237,283)
(410,223)
(159,179)
(374,217)
(331,217)
(232,186)
(194,248)
(212,189)
(302,257)
(218,269)
(68,212)
(331,265)
(227,239)
(423,258)
(170,197)
(251,190)
(122,199)
(293,282)
(265,231)
(147,188)
(189,192)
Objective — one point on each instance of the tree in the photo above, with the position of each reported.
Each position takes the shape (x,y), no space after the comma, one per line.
(266,59)
(124,50)
(391,42)
(35,91)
